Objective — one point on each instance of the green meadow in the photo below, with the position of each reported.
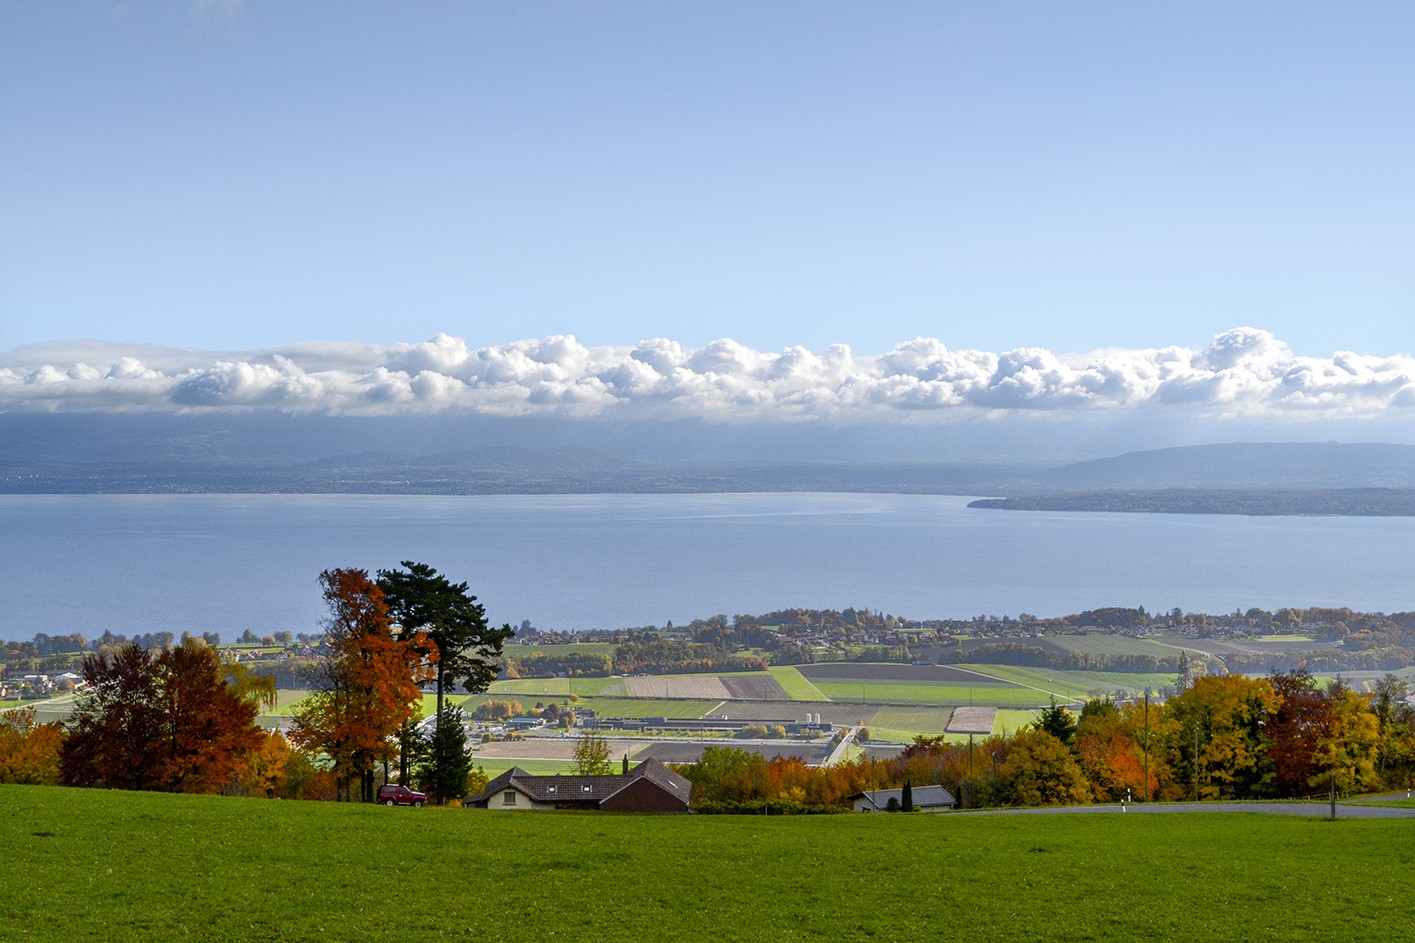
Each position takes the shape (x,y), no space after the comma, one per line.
(945,693)
(795,684)
(102,865)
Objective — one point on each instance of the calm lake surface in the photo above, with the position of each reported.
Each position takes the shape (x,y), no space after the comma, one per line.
(225,563)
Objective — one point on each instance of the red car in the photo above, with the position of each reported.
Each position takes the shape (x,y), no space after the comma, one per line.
(394,794)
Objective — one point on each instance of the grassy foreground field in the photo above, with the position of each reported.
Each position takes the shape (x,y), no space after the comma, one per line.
(90,864)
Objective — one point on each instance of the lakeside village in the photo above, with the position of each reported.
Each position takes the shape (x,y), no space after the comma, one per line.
(1321,640)
(795,710)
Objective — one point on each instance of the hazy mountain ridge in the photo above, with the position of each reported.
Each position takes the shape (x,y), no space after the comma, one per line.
(142,454)
(1242,465)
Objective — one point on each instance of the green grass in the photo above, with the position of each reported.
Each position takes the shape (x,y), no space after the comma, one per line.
(607,706)
(95,864)
(1010,721)
(557,687)
(1107,645)
(647,707)
(1045,681)
(952,694)
(495,766)
(570,648)
(1099,683)
(913,720)
(795,684)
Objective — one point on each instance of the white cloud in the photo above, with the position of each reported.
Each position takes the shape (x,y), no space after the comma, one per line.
(1245,371)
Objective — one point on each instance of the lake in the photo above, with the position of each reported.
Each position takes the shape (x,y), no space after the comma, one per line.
(225,563)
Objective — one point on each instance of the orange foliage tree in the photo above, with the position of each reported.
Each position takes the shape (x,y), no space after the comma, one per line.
(29,752)
(366,685)
(166,721)
(1041,770)
(1220,743)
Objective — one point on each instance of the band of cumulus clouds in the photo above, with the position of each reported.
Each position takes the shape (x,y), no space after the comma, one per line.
(1245,371)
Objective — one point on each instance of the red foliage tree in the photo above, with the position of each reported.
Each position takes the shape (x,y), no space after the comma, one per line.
(366,686)
(166,721)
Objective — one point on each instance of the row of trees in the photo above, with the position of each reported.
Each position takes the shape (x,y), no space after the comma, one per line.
(178,719)
(384,639)
(1224,737)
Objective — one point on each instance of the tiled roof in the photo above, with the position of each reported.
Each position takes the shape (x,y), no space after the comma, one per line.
(584,789)
(923,796)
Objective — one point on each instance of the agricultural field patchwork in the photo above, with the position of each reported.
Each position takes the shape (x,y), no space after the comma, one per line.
(794,711)
(956,695)
(873,672)
(927,721)
(559,687)
(1045,683)
(794,683)
(1099,644)
(756,686)
(549,748)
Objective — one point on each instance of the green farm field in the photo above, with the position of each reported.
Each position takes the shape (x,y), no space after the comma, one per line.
(950,694)
(605,706)
(570,648)
(114,866)
(795,684)
(1108,645)
(558,687)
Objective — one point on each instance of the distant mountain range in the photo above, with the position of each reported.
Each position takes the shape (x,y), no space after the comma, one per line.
(171,454)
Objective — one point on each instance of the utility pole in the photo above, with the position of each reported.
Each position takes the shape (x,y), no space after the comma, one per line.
(1147,745)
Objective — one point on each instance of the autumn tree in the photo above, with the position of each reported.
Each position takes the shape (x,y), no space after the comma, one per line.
(1041,770)
(366,684)
(29,751)
(1110,754)
(591,755)
(167,721)
(1220,743)
(1346,755)
(1302,719)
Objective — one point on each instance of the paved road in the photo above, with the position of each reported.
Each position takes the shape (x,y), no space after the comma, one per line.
(839,750)
(1344,810)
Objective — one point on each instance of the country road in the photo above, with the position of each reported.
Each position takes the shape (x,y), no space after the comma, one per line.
(1344,810)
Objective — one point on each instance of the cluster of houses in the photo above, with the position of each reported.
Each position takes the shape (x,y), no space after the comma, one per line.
(35,686)
(653,787)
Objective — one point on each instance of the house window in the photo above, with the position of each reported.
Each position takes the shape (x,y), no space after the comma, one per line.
(508,798)
(585,788)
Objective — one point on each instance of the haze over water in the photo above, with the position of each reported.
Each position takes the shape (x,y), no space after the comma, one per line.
(225,563)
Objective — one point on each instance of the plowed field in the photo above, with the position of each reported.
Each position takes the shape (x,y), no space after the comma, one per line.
(701,688)
(754,687)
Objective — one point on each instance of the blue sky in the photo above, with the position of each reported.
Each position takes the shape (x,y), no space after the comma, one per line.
(232,176)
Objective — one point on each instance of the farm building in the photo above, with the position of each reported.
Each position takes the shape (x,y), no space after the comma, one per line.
(925,798)
(649,787)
